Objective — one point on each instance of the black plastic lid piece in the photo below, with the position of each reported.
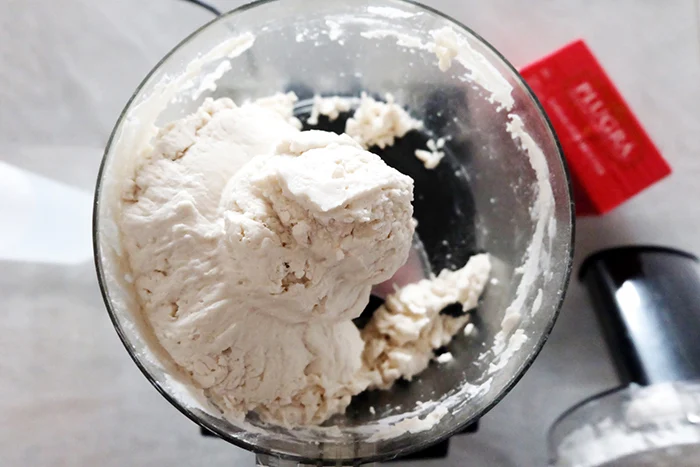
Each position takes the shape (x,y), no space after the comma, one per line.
(647,300)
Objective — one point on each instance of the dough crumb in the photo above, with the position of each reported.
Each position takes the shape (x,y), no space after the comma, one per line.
(377,123)
(431,157)
(331,107)
(469,329)
(446,47)
(444,358)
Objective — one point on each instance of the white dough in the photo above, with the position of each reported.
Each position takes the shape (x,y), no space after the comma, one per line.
(252,246)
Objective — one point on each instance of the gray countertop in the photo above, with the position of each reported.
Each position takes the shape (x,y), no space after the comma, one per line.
(70,395)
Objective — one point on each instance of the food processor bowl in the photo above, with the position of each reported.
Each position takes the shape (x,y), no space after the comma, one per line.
(502,188)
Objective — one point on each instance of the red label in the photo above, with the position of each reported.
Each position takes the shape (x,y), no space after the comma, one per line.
(610,156)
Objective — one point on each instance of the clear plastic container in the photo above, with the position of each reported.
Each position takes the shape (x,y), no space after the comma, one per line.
(482,197)
(658,425)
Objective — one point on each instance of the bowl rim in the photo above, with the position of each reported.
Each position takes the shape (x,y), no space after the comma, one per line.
(204,424)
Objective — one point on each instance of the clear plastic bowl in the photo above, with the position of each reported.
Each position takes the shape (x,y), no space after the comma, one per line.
(484,196)
(637,426)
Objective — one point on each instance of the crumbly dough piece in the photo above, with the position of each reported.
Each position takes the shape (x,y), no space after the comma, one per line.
(377,123)
(404,332)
